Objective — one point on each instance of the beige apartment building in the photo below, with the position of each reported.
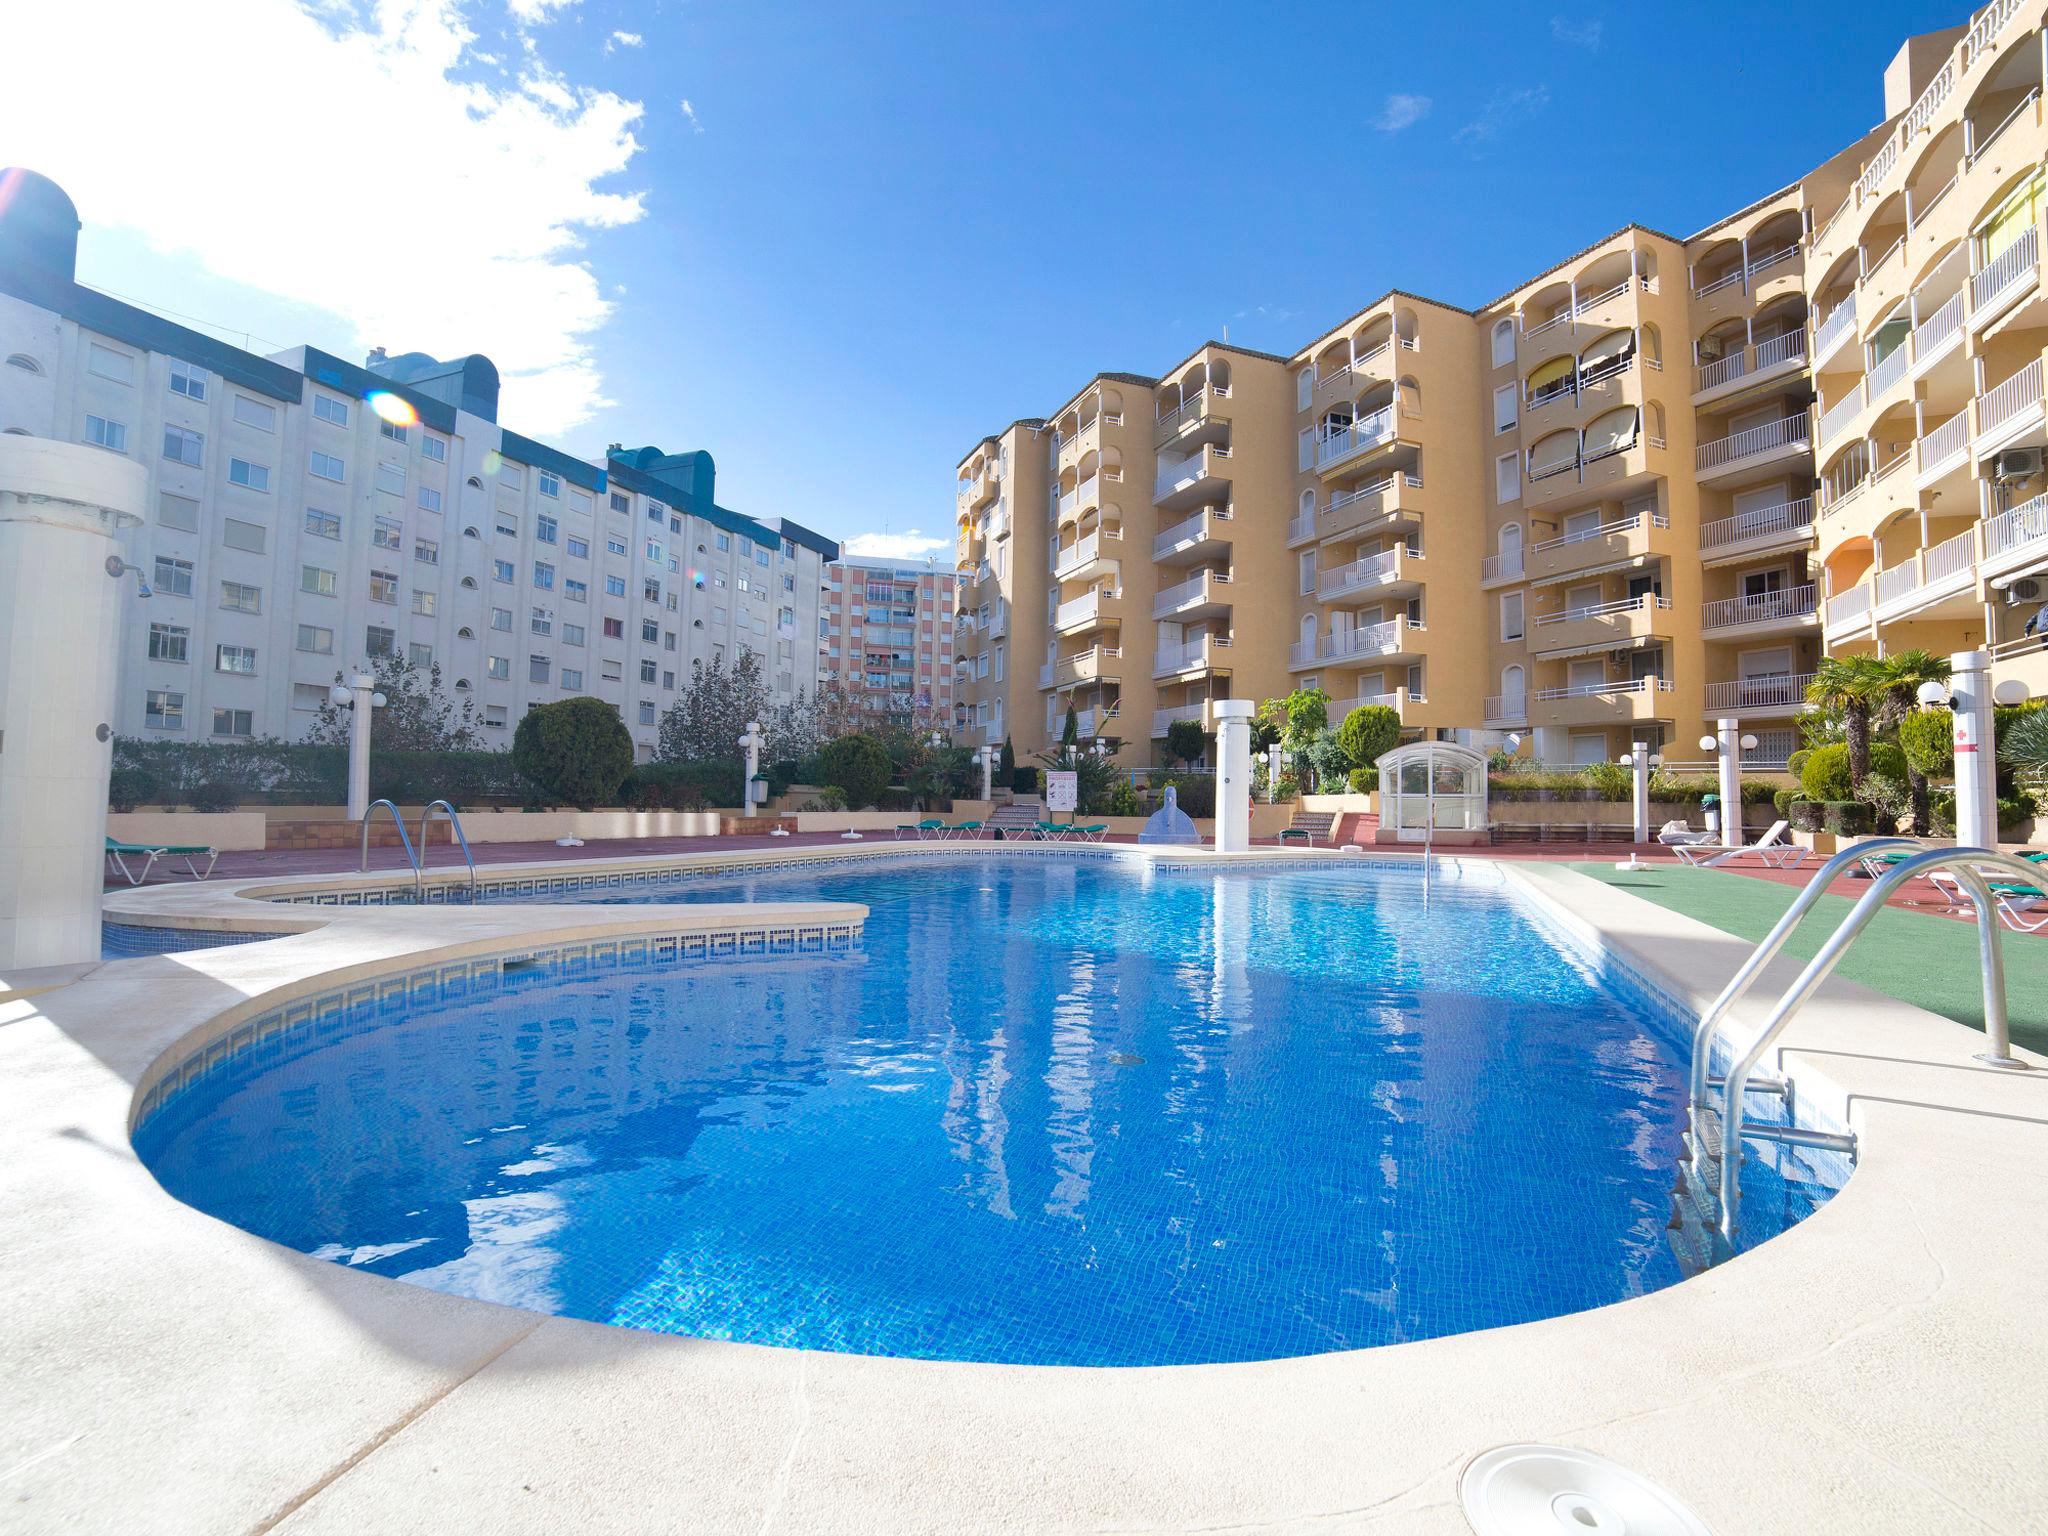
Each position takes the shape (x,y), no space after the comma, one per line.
(1643,489)
(885,636)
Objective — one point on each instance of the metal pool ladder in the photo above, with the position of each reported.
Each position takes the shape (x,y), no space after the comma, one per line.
(398,821)
(1702,1154)
(448,815)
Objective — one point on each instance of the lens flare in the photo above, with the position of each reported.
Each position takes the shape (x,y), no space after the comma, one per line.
(493,461)
(393,408)
(696,578)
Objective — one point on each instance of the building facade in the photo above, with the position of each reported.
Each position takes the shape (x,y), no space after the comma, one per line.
(308,515)
(885,636)
(1646,488)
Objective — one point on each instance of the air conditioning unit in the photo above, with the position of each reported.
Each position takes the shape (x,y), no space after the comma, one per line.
(2017,464)
(2025,590)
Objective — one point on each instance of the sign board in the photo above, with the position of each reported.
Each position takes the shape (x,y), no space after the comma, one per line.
(1062,791)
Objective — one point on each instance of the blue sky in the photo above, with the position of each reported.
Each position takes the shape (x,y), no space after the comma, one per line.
(877,231)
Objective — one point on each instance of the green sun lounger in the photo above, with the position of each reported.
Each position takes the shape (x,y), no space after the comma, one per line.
(118,854)
(931,826)
(963,829)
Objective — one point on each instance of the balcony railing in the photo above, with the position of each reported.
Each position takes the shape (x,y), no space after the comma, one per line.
(2026,106)
(1301,527)
(1789,431)
(1985,27)
(2008,269)
(1847,607)
(1604,689)
(1162,718)
(1171,424)
(1194,590)
(1366,433)
(1785,690)
(2010,399)
(1082,667)
(1744,361)
(1643,603)
(1189,530)
(1759,608)
(1504,567)
(1945,442)
(1840,321)
(1080,610)
(1195,467)
(1382,639)
(1180,658)
(2025,524)
(1760,522)
(1370,570)
(1935,331)
(1600,531)
(1929,568)
(1885,372)
(1840,414)
(1371,488)
(1101,544)
(1505,709)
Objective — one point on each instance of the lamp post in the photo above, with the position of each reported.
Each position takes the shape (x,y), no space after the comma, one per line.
(1969,696)
(1640,759)
(1233,775)
(1274,754)
(752,741)
(1726,747)
(360,697)
(986,759)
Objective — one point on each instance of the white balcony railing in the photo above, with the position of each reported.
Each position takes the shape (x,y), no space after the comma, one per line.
(2024,109)
(1197,466)
(1759,522)
(1505,709)
(1301,527)
(1604,689)
(1645,603)
(1194,653)
(1103,543)
(1884,373)
(1503,567)
(1080,610)
(1759,608)
(1382,639)
(1840,414)
(1952,437)
(1367,432)
(1985,27)
(2008,269)
(1162,718)
(1193,590)
(1935,331)
(1189,530)
(1366,572)
(1841,320)
(1371,488)
(1778,690)
(2025,524)
(2010,399)
(1600,531)
(1789,431)
(1847,607)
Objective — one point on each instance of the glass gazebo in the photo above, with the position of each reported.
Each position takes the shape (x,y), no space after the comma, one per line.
(1433,788)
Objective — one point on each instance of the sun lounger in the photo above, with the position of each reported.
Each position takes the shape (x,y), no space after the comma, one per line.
(1768,850)
(2015,902)
(118,855)
(1676,834)
(1052,831)
(1094,832)
(931,826)
(963,829)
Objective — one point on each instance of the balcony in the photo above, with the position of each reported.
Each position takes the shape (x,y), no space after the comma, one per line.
(1204,536)
(1082,498)
(1947,570)
(1205,654)
(1848,612)
(1943,450)
(1837,328)
(1760,531)
(1937,335)
(1350,445)
(1393,572)
(1777,694)
(1586,306)
(1748,367)
(1086,436)
(1397,700)
(1085,613)
(1604,703)
(1503,710)
(1206,595)
(1496,570)
(1202,476)
(2009,410)
(1097,664)
(2016,538)
(999,620)
(1761,613)
(1095,555)
(1345,377)
(1838,416)
(1786,438)
(1744,279)
(1163,718)
(1601,625)
(1362,646)
(1388,500)
(979,489)
(2005,279)
(1611,546)
(1200,409)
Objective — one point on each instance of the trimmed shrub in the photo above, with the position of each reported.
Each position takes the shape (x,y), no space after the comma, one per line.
(1608,781)
(1781,802)
(1363,781)
(1824,776)
(1368,733)
(1806,815)
(2013,810)
(215,796)
(575,751)
(1123,799)
(1927,738)
(1024,781)
(857,766)
(1847,818)
(684,786)
(1797,761)
(129,787)
(1194,795)
(1186,741)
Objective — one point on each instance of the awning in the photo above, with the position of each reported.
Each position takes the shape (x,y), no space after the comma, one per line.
(1550,372)
(1612,432)
(1580,573)
(1638,643)
(1614,344)
(1553,451)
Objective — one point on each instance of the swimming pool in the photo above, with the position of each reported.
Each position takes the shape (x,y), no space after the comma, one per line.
(1080,1109)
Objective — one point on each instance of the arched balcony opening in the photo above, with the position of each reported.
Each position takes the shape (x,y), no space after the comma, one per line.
(1555,454)
(1613,432)
(1721,266)
(1935,172)
(1551,379)
(1607,357)
(2009,93)
(1407,329)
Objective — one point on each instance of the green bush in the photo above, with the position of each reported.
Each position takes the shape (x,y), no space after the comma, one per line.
(1363,781)
(269,772)
(129,787)
(2013,810)
(1186,741)
(1781,802)
(1806,815)
(1610,781)
(1195,795)
(214,795)
(1847,818)
(1927,738)
(1797,761)
(1024,781)
(857,766)
(575,751)
(1124,801)
(1368,733)
(1824,776)
(685,786)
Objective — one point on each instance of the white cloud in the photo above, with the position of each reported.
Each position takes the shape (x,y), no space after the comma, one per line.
(895,546)
(442,215)
(690,112)
(1506,108)
(623,40)
(1581,33)
(533,12)
(1401,111)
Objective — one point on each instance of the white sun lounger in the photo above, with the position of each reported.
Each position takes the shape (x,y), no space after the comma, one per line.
(1768,850)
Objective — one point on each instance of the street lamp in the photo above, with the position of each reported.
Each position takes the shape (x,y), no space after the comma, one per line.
(752,741)
(1641,760)
(359,696)
(1969,695)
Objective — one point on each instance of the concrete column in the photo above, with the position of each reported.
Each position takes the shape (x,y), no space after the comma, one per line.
(753,741)
(1233,775)
(1969,691)
(1728,758)
(987,755)
(1639,765)
(61,505)
(362,691)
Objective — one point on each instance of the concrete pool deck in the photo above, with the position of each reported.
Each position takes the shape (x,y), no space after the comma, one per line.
(1876,1369)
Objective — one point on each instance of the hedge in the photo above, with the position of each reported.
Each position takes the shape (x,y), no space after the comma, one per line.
(684,786)
(175,773)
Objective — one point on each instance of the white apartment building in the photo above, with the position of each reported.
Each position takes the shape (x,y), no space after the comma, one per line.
(295,532)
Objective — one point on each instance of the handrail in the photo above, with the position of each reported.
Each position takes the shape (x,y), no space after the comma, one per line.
(455,822)
(1966,862)
(418,886)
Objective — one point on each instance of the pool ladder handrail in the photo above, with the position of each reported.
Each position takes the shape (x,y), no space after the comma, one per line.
(398,821)
(1968,864)
(448,815)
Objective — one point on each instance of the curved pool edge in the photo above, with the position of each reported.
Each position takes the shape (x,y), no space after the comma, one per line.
(1884,1320)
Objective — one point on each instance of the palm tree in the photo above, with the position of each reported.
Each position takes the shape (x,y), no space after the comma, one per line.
(1906,671)
(1850,684)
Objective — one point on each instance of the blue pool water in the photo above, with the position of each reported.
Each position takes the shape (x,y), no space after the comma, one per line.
(1053,1110)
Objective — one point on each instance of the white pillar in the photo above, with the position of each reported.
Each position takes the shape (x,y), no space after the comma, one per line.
(362,708)
(1969,691)
(1639,764)
(1728,757)
(1233,775)
(61,505)
(988,766)
(753,741)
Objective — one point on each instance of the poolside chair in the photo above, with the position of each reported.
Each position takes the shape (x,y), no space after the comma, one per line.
(1309,827)
(1676,834)
(2014,900)
(964,829)
(930,826)
(118,855)
(1768,850)
(1094,832)
(1052,831)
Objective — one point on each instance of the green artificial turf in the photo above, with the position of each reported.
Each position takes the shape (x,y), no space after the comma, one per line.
(1915,957)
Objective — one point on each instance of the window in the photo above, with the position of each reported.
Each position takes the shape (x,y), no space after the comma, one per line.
(390,478)
(308,695)
(616,545)
(1511,627)
(615,629)
(234,722)
(510,475)
(435,448)
(1507,477)
(240,597)
(394,431)
(615,586)
(579,549)
(179,512)
(647,671)
(610,671)
(1306,564)
(575,591)
(163,709)
(571,678)
(326,466)
(501,618)
(322,525)
(1503,343)
(315,640)
(1504,408)
(424,602)
(259,414)
(507,525)
(321,583)
(430,499)
(650,631)
(621,502)
(723,542)
(109,364)
(421,656)
(187,380)
(389,533)
(647,712)
(169,642)
(173,577)
(550,483)
(248,475)
(654,551)
(501,570)
(379,641)
(426,551)
(236,534)
(498,667)
(102,433)
(544,576)
(572,634)
(384,587)
(543,622)
(239,659)
(183,447)
(332,411)
(539,668)
(544,529)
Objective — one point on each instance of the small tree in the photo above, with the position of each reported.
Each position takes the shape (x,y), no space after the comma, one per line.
(857,766)
(713,710)
(1369,732)
(1006,763)
(1269,724)
(577,750)
(1070,731)
(417,716)
(1186,741)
